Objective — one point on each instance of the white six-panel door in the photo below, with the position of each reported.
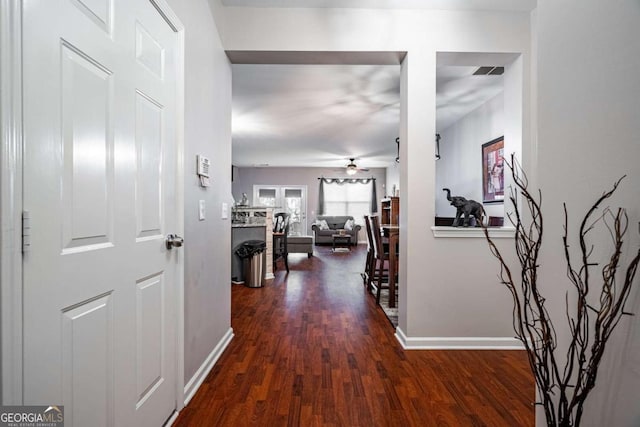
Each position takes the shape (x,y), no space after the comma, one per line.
(99,188)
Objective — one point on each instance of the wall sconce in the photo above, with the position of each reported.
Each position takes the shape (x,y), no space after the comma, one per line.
(437,146)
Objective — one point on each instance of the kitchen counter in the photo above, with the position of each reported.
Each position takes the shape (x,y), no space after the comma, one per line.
(258,226)
(246,225)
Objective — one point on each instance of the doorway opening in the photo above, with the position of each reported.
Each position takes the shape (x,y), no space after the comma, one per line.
(298,117)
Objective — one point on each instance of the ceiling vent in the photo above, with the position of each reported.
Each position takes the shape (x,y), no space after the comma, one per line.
(489,71)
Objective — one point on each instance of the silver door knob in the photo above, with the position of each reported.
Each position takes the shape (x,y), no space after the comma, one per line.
(173,241)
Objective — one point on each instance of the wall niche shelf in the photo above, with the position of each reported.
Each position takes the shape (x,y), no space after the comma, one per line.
(473,232)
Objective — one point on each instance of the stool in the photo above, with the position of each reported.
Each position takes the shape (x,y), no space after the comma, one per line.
(301,245)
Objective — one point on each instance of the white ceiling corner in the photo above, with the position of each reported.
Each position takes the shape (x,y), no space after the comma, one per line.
(506,5)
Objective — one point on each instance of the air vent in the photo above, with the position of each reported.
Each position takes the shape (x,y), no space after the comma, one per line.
(489,71)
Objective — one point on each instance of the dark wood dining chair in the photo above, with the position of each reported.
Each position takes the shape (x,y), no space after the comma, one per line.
(380,257)
(280,246)
(369,267)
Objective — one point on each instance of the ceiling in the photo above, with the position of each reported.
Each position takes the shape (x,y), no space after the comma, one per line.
(511,5)
(308,111)
(322,115)
(315,115)
(305,111)
(459,92)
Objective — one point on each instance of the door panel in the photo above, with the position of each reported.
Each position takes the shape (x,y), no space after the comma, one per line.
(149,52)
(98,11)
(87,149)
(150,319)
(149,159)
(99,184)
(87,353)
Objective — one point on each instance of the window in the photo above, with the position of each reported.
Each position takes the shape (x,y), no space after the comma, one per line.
(293,204)
(290,199)
(348,199)
(266,197)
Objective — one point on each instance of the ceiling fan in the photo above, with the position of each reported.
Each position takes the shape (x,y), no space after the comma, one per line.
(352,168)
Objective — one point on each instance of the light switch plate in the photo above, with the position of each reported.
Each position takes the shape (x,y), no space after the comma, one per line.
(201,210)
(225,211)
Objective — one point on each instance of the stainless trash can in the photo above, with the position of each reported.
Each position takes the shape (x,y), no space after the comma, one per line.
(252,253)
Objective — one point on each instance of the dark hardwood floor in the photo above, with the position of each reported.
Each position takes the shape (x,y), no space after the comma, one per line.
(311,348)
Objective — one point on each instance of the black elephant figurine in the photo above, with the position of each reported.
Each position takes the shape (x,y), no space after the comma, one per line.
(470,208)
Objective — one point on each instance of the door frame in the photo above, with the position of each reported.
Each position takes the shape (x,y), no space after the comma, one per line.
(11,196)
(11,201)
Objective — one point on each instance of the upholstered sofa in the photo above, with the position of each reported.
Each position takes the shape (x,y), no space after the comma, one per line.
(335,223)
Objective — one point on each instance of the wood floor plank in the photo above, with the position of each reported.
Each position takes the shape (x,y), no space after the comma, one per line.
(312,348)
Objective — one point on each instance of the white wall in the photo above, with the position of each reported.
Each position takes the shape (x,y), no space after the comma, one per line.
(435,301)
(248,177)
(207,131)
(588,136)
(460,167)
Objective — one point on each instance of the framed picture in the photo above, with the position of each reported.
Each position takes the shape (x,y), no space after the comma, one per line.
(493,171)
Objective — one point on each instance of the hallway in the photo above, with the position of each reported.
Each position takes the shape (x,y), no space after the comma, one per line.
(312,348)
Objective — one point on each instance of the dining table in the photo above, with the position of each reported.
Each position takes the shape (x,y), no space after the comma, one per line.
(392,232)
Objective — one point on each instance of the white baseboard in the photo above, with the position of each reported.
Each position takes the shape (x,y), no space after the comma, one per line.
(172,419)
(457,343)
(198,378)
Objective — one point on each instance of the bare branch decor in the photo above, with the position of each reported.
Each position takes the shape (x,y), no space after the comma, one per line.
(563,390)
